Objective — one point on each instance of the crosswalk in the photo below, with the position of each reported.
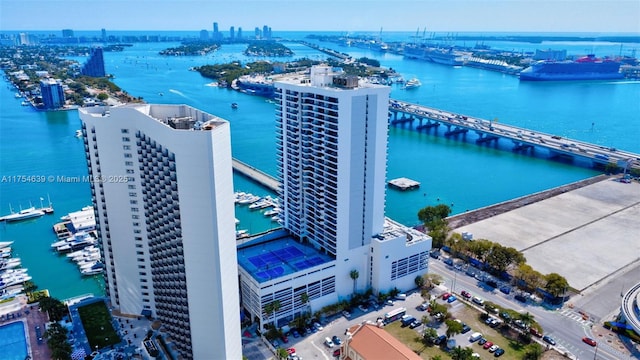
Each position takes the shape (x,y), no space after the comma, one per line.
(576,316)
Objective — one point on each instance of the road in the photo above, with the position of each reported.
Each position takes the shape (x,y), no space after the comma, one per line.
(565,326)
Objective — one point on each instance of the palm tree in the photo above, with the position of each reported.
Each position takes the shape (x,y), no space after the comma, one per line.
(276,307)
(526,318)
(459,353)
(268,309)
(354,274)
(304,298)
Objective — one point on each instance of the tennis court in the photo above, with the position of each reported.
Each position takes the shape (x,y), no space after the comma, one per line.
(270,260)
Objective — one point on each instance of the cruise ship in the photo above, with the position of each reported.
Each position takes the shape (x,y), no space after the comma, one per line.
(445,56)
(585,68)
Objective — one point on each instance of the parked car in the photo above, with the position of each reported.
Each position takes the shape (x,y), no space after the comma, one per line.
(328,342)
(452,298)
(498,352)
(487,345)
(475,337)
(423,306)
(590,341)
(465,294)
(448,261)
(401,296)
(336,352)
(440,339)
(415,324)
(520,298)
(284,339)
(478,300)
(505,290)
(549,339)
(482,341)
(275,343)
(318,326)
(291,351)
(346,314)
(445,296)
(535,332)
(336,340)
(494,348)
(295,333)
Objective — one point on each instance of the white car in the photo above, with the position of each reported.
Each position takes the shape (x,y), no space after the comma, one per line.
(494,348)
(318,326)
(328,342)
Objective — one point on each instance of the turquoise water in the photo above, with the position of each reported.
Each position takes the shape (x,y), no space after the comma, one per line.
(460,174)
(13,345)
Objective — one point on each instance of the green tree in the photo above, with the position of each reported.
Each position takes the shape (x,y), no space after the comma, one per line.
(54,307)
(419,281)
(431,214)
(556,284)
(501,257)
(282,353)
(532,352)
(480,249)
(460,353)
(429,336)
(453,328)
(354,274)
(527,318)
(29,287)
(272,308)
(102,96)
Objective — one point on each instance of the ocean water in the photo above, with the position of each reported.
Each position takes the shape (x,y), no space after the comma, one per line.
(460,174)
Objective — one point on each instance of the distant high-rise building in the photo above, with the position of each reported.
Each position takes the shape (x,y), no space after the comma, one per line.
(104,35)
(232,33)
(217,35)
(52,94)
(24,39)
(239,33)
(257,33)
(265,32)
(163,193)
(204,35)
(94,66)
(67,33)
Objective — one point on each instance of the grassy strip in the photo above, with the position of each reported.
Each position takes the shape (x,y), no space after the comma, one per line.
(96,321)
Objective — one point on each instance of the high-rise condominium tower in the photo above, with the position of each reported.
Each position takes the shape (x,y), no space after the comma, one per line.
(163,192)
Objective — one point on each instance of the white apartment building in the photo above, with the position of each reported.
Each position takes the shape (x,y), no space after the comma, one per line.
(331,154)
(163,192)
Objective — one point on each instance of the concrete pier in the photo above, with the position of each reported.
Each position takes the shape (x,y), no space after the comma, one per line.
(256,175)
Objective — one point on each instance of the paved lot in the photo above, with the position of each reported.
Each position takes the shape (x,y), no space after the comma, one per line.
(585,235)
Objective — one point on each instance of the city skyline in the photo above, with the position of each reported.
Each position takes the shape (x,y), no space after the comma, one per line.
(616,16)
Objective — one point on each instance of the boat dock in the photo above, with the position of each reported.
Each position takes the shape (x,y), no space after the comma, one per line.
(256,175)
(404,184)
(523,140)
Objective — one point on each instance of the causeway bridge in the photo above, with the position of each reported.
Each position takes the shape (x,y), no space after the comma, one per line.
(523,140)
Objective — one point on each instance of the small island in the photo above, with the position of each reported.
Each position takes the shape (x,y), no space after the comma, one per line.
(267,48)
(191,49)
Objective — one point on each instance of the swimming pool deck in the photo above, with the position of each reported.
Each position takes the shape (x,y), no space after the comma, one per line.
(32,317)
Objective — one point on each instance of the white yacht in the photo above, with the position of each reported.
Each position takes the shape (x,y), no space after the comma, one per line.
(25,214)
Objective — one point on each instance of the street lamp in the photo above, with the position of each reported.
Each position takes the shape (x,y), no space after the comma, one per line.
(596,352)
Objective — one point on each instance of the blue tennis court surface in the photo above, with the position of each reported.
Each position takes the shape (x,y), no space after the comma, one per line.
(275,258)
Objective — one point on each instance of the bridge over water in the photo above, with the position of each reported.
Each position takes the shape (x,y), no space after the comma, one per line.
(523,140)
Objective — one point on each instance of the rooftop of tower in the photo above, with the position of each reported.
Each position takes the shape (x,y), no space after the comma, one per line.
(179,117)
(393,230)
(325,76)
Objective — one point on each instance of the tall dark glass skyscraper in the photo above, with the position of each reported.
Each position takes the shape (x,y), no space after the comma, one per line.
(52,94)
(94,67)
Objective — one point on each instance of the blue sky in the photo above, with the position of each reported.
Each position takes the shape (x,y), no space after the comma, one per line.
(346,15)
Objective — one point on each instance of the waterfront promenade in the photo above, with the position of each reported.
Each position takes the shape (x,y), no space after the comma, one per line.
(523,139)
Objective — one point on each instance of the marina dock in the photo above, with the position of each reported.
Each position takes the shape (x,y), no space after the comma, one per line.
(523,140)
